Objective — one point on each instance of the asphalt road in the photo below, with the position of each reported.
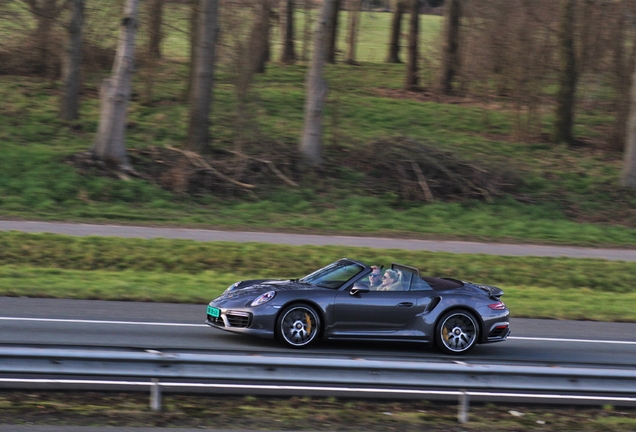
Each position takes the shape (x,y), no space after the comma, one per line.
(173,327)
(303,239)
(179,328)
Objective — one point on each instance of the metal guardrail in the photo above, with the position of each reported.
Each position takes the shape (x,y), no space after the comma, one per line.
(276,374)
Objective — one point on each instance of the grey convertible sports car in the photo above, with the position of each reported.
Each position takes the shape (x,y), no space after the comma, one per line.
(347,300)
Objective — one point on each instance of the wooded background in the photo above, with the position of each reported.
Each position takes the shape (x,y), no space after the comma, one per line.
(532,56)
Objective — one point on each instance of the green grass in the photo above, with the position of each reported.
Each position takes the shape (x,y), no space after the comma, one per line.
(193,272)
(297,413)
(567,196)
(524,302)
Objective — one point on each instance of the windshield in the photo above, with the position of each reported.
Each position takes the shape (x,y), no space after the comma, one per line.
(334,275)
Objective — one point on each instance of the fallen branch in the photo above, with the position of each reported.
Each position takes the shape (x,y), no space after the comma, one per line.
(271,166)
(422,182)
(201,162)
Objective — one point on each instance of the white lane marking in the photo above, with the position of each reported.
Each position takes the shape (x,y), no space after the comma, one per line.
(102,322)
(573,340)
(205,325)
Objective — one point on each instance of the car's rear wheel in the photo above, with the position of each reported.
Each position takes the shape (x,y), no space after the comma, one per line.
(457,332)
(298,325)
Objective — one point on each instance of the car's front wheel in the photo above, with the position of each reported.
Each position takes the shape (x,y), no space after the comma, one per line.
(298,326)
(457,332)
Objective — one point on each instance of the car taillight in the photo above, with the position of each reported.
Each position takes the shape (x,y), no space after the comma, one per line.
(497,306)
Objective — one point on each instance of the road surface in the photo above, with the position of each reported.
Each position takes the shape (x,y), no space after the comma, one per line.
(86,324)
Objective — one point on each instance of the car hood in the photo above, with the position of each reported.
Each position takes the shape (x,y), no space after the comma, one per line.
(254,288)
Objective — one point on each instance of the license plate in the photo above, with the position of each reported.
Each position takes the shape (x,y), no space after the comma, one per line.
(214,312)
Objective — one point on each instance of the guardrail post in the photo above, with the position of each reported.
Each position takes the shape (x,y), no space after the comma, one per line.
(464,404)
(155,395)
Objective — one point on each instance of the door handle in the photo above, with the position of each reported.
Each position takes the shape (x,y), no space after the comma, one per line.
(405,304)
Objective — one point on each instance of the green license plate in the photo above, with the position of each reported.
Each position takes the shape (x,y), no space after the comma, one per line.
(214,312)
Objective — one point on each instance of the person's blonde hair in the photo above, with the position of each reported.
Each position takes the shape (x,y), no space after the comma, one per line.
(392,274)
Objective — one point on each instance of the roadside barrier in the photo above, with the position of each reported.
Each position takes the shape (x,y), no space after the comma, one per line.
(289,375)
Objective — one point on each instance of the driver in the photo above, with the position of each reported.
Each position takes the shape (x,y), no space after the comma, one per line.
(375,278)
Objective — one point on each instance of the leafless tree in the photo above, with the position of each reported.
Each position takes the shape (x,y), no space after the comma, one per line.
(288,55)
(316,89)
(412,79)
(629,162)
(194,34)
(564,114)
(203,83)
(307,30)
(332,36)
(72,61)
(153,54)
(622,60)
(396,31)
(155,24)
(354,17)
(115,92)
(45,13)
(262,30)
(450,59)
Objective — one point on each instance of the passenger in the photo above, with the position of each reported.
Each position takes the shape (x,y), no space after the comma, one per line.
(375,278)
(390,281)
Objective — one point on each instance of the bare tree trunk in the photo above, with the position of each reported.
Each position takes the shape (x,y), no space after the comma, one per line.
(155,13)
(72,61)
(412,80)
(201,97)
(289,53)
(354,17)
(258,48)
(194,32)
(45,13)
(628,178)
(564,115)
(396,32)
(621,61)
(43,37)
(332,36)
(316,89)
(450,62)
(307,30)
(263,28)
(115,92)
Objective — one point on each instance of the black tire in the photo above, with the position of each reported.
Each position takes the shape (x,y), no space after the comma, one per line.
(298,325)
(457,332)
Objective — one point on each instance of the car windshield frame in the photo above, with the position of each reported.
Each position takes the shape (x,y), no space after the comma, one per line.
(331,275)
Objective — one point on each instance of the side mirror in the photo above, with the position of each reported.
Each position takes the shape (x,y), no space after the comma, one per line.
(358,290)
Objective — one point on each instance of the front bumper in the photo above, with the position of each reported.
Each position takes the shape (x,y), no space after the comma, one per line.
(243,321)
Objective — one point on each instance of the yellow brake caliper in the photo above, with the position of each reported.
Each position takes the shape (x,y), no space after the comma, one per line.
(445,334)
(308,321)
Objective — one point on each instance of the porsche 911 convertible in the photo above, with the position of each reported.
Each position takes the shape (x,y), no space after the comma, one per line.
(346,301)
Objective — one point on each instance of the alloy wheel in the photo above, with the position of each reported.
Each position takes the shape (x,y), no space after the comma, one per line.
(298,326)
(457,332)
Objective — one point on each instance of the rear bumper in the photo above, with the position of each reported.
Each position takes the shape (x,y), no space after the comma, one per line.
(498,332)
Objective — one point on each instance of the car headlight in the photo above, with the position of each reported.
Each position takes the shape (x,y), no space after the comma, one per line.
(263,298)
(231,287)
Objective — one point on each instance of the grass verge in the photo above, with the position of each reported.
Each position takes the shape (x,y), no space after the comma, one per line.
(161,270)
(251,413)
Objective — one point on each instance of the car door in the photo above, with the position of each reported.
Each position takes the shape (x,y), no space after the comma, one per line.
(372,312)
